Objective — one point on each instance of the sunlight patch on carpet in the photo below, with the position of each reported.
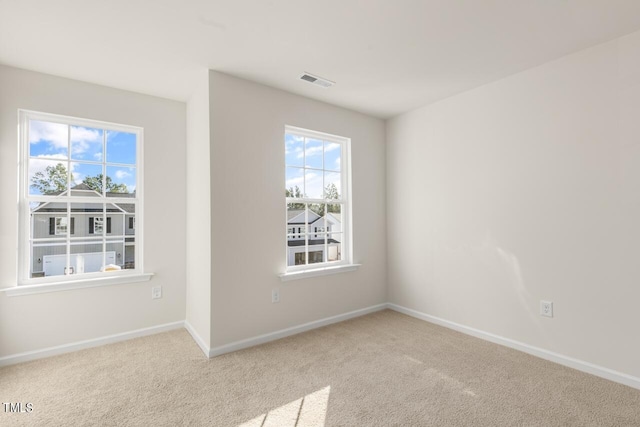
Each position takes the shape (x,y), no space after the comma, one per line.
(308,411)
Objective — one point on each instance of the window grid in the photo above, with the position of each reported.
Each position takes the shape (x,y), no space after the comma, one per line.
(334,247)
(71,201)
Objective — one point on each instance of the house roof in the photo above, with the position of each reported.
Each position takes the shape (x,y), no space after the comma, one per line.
(82,186)
(54,206)
(293,214)
(312,242)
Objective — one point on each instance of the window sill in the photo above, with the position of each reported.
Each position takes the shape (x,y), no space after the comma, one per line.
(76,284)
(303,274)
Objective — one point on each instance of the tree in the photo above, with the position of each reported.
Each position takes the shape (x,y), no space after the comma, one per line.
(331,192)
(95,183)
(295,193)
(52,180)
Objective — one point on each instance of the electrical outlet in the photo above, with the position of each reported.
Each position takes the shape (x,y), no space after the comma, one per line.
(156,292)
(275,296)
(546,308)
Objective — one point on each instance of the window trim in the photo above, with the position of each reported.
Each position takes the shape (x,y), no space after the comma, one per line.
(345,264)
(56,225)
(24,256)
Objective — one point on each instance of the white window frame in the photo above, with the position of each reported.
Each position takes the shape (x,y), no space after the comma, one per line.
(98,225)
(346,263)
(58,227)
(73,281)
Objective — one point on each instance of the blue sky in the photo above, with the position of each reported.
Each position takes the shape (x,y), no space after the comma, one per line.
(312,164)
(48,145)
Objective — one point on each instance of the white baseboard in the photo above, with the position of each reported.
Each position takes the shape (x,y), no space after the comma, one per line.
(197,338)
(272,336)
(580,365)
(81,345)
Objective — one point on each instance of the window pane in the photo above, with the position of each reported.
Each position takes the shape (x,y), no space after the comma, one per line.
(294,183)
(130,218)
(332,186)
(299,258)
(294,150)
(129,234)
(86,144)
(313,184)
(129,256)
(84,220)
(333,218)
(121,147)
(115,252)
(295,216)
(332,156)
(313,153)
(316,257)
(98,225)
(318,209)
(334,247)
(61,225)
(49,259)
(87,256)
(296,228)
(86,180)
(87,250)
(48,140)
(47,177)
(120,180)
(316,247)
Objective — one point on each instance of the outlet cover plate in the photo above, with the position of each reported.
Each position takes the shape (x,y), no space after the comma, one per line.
(546,308)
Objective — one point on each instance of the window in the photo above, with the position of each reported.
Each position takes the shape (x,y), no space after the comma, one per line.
(80,193)
(58,225)
(317,199)
(96,225)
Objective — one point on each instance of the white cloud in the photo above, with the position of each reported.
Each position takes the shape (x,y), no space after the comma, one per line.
(83,139)
(317,149)
(297,150)
(53,157)
(312,151)
(55,137)
(52,133)
(120,174)
(313,185)
(330,146)
(292,182)
(78,178)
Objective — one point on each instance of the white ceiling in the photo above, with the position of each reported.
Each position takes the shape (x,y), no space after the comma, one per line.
(387,56)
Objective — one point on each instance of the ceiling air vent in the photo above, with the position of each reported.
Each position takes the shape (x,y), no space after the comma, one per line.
(316,80)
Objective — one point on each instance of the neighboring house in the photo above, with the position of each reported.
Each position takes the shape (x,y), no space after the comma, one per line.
(311,232)
(86,225)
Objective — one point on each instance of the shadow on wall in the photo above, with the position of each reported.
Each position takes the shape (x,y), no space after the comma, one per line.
(496,271)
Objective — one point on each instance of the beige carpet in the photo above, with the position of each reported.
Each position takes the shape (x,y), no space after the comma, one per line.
(384,369)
